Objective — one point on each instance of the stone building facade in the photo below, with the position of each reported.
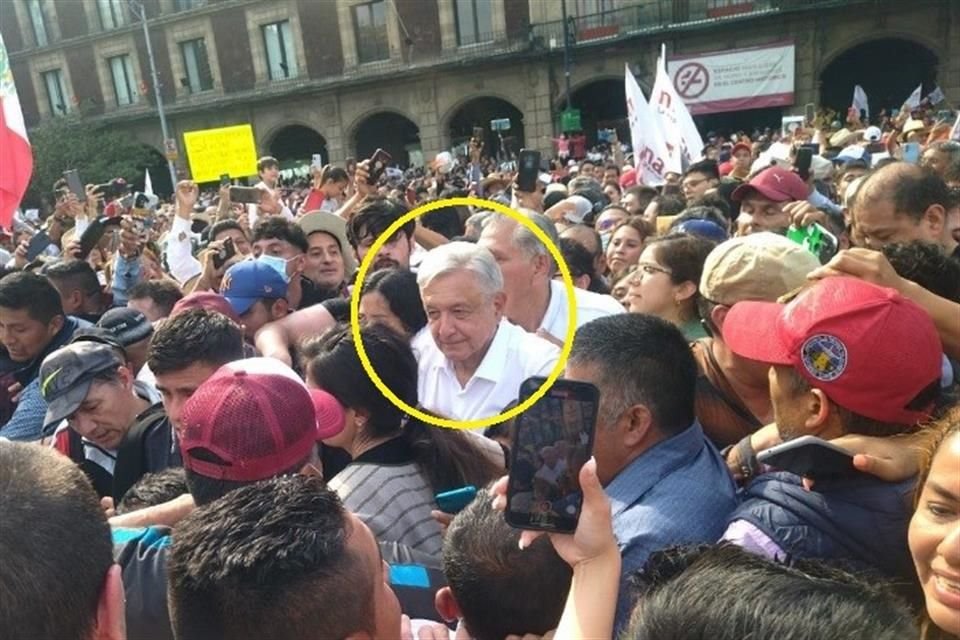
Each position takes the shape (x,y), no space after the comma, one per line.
(341,74)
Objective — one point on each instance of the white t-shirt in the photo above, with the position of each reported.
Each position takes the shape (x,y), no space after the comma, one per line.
(513,356)
(590,306)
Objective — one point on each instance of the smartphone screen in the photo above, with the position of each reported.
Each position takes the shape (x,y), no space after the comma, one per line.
(224,179)
(38,244)
(553,439)
(802,162)
(528,170)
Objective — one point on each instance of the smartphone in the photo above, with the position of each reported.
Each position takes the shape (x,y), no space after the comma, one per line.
(810,457)
(38,244)
(911,152)
(456,500)
(528,170)
(802,162)
(227,251)
(816,239)
(317,161)
(379,162)
(245,195)
(551,442)
(75,185)
(809,113)
(224,179)
(478,133)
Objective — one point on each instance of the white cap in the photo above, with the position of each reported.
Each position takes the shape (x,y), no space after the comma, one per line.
(872,134)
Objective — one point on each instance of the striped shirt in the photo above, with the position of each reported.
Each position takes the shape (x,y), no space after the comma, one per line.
(392,495)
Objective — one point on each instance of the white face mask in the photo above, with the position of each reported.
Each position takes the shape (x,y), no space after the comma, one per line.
(278,264)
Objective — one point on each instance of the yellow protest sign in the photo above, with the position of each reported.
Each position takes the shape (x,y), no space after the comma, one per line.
(213,152)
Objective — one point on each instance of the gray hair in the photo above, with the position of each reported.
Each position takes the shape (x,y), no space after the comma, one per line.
(455,256)
(524,239)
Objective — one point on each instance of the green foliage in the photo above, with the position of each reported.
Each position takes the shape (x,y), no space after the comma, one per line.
(99,153)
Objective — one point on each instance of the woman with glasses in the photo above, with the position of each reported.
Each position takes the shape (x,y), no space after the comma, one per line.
(666,281)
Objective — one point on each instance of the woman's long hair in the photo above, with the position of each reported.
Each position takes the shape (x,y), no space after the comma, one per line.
(447,456)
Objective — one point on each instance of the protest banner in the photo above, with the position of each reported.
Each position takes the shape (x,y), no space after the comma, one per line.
(649,148)
(684,143)
(751,78)
(226,150)
(860,102)
(913,100)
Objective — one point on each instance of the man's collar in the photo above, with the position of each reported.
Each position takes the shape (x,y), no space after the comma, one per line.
(643,472)
(493,362)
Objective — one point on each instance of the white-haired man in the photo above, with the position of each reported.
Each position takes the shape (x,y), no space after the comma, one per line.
(472,361)
(535,300)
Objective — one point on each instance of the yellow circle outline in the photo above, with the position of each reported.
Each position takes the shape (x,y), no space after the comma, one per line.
(571,313)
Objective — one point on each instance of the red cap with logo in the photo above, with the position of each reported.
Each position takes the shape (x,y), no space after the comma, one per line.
(868,348)
(774,183)
(252,420)
(205,300)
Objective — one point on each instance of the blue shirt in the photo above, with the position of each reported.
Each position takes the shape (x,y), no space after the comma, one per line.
(677,492)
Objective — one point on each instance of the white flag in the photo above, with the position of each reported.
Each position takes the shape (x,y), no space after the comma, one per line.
(936,96)
(955,132)
(914,100)
(649,148)
(860,101)
(148,184)
(684,143)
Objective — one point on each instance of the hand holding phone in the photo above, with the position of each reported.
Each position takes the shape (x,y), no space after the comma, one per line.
(379,162)
(246,195)
(553,440)
(226,251)
(75,185)
(528,170)
(810,457)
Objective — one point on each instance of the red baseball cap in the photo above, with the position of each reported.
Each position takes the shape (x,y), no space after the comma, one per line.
(205,300)
(628,178)
(331,417)
(251,420)
(741,145)
(775,183)
(868,348)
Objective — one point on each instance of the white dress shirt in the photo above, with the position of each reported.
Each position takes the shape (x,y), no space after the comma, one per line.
(513,356)
(590,306)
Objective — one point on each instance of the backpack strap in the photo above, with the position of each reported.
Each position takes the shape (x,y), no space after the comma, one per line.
(131,454)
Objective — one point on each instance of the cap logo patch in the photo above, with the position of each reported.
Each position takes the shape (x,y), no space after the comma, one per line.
(824,357)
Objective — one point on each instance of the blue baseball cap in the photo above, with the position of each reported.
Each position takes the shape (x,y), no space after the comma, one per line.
(249,281)
(704,228)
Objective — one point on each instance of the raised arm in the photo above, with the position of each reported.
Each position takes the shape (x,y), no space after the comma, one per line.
(275,339)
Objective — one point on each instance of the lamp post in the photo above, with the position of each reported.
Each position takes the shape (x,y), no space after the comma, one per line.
(136,8)
(566,51)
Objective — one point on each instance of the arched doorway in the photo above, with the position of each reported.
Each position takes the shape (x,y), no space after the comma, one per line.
(294,145)
(602,105)
(888,69)
(156,163)
(392,132)
(479,112)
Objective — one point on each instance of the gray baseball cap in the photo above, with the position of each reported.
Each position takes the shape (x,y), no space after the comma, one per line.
(67,373)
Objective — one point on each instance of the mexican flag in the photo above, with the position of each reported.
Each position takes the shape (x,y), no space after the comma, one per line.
(16,157)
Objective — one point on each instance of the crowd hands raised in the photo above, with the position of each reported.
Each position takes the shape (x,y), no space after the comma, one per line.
(191,448)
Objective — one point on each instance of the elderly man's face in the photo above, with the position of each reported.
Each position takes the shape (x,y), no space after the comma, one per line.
(462,317)
(518,268)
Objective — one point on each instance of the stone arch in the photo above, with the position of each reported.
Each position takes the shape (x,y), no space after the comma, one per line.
(390,129)
(478,111)
(295,143)
(888,67)
(602,103)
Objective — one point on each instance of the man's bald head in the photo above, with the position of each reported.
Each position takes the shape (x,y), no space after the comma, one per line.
(910,188)
(901,202)
(586,236)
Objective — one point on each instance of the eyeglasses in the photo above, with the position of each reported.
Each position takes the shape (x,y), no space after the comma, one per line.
(651,269)
(692,183)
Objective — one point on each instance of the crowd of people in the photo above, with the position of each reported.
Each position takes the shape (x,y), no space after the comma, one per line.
(191,447)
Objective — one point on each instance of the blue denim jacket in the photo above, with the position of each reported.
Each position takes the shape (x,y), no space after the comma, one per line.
(677,492)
